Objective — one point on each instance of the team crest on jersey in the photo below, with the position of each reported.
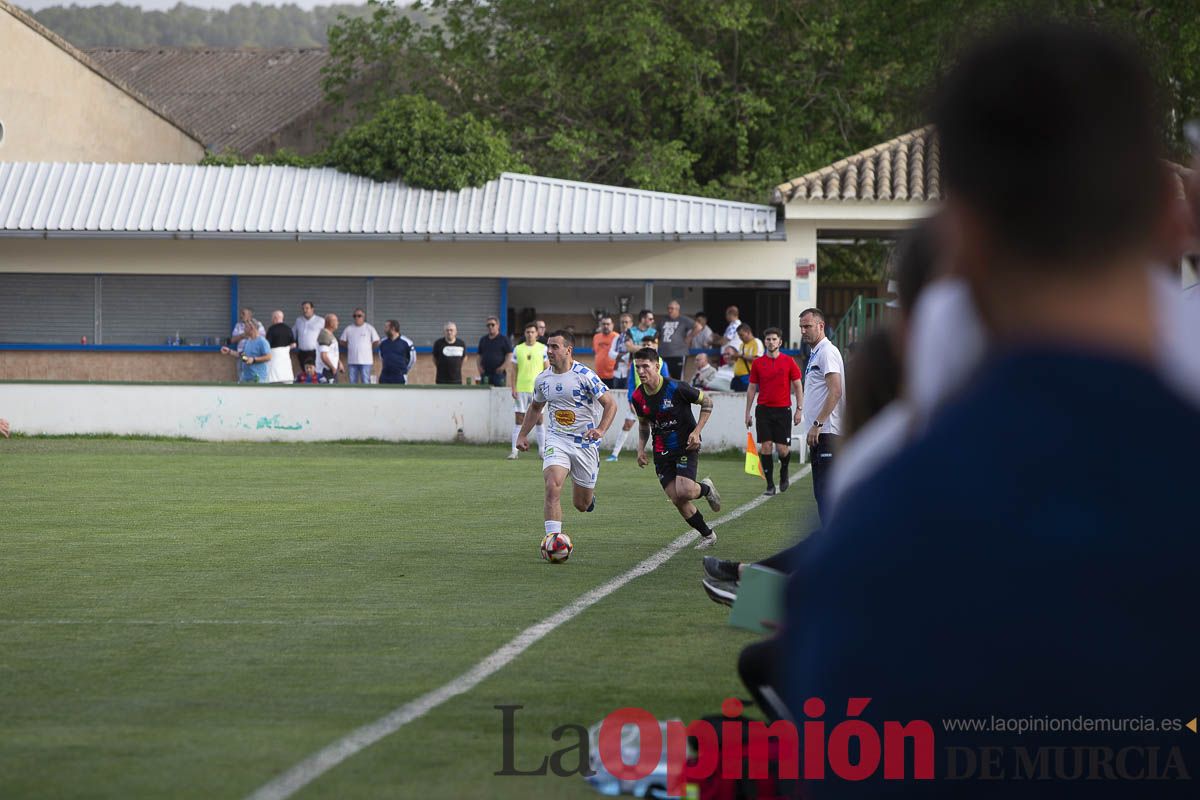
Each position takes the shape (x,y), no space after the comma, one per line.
(564,417)
(558,387)
(667,405)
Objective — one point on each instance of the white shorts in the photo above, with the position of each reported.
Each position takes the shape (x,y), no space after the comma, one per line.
(582,462)
(522,401)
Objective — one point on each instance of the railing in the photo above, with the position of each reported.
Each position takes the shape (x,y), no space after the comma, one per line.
(862,317)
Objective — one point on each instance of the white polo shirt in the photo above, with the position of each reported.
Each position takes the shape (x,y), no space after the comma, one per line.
(825,360)
(358,339)
(306,331)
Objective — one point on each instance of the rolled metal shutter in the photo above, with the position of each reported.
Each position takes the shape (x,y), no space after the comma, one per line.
(152,309)
(423,305)
(47,309)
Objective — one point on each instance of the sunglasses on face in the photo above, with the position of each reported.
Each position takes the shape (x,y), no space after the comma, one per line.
(358,315)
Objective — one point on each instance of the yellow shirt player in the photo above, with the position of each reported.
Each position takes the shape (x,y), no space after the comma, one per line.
(528,361)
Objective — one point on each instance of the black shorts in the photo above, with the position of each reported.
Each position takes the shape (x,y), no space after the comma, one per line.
(676,465)
(306,357)
(773,425)
(610,383)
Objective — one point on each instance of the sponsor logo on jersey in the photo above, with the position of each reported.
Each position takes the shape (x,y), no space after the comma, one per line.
(564,417)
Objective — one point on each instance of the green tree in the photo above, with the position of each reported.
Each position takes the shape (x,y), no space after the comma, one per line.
(415,140)
(411,139)
(721,97)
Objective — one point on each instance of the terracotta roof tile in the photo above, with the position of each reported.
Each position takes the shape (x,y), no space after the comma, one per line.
(904,169)
(235,98)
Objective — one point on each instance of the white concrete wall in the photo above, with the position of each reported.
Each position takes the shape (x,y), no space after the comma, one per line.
(298,413)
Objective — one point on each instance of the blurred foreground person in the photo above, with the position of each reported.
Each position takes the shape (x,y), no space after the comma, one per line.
(1031,554)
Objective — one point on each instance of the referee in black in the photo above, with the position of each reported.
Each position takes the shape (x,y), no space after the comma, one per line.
(774,378)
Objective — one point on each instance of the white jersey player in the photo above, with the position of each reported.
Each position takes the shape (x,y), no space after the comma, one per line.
(579,409)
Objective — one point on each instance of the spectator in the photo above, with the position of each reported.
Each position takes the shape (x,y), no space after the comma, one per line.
(309,375)
(825,402)
(700,337)
(493,354)
(705,372)
(254,355)
(749,348)
(281,341)
(723,380)
(731,328)
(448,355)
(621,356)
(237,339)
(328,352)
(879,416)
(306,329)
(1094,560)
(397,353)
(362,340)
(602,345)
(540,324)
(672,339)
(640,332)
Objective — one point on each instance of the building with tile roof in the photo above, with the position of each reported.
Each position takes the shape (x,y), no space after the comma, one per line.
(242,100)
(56,103)
(137,257)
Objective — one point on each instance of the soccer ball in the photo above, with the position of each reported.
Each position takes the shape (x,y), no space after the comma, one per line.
(556,548)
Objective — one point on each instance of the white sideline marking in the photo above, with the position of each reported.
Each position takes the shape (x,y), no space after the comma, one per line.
(358,740)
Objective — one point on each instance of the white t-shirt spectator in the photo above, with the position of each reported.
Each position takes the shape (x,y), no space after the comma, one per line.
(240,330)
(731,336)
(824,361)
(334,353)
(358,339)
(306,331)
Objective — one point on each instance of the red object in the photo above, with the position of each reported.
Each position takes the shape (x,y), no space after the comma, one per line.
(774,377)
(83,340)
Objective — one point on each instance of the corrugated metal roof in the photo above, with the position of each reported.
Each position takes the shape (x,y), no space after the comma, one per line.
(287,202)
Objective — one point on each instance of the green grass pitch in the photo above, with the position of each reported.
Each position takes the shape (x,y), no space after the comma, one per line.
(188,619)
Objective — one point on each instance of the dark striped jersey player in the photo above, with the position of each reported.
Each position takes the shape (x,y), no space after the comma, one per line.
(664,409)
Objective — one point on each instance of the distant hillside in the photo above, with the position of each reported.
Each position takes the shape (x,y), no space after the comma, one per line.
(252,25)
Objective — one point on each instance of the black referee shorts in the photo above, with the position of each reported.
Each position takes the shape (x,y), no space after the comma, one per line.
(773,425)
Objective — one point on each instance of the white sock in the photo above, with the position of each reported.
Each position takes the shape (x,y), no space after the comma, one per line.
(541,434)
(621,442)
(516,432)
(553,526)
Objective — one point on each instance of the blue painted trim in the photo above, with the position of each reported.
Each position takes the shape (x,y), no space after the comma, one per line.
(233,302)
(200,348)
(111,348)
(504,306)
